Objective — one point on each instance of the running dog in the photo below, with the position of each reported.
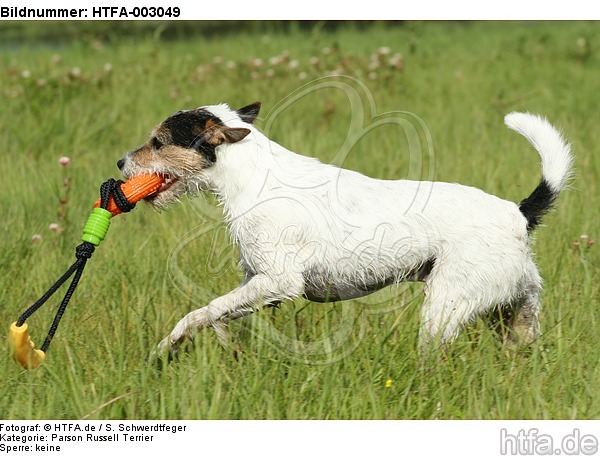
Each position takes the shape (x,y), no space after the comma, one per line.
(305,228)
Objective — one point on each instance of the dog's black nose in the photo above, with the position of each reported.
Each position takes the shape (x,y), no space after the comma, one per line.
(121,163)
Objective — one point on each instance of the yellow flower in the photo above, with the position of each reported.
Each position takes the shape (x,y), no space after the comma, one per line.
(388,383)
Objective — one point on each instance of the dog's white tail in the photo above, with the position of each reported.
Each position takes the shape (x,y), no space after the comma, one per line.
(556,163)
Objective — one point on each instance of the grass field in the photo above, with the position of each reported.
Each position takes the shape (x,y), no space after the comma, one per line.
(97,94)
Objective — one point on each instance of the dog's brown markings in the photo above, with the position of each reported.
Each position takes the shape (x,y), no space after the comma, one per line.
(217,134)
(144,156)
(162,136)
(180,158)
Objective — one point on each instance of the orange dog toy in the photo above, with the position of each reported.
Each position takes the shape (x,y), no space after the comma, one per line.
(135,190)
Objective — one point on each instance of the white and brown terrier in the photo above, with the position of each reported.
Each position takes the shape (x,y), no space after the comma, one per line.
(304,228)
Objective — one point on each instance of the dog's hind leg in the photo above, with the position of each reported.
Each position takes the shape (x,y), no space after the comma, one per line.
(524,325)
(258,290)
(453,298)
(443,316)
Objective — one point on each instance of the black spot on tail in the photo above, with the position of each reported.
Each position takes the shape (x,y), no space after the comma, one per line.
(536,205)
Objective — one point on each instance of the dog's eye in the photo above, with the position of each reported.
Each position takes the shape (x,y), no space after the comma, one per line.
(156,144)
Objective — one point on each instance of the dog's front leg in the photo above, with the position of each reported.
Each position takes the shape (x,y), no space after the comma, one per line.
(257,291)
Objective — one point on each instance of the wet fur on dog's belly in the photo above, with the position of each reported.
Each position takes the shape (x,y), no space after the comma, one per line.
(321,286)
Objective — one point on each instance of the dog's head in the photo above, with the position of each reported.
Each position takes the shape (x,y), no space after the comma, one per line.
(184,146)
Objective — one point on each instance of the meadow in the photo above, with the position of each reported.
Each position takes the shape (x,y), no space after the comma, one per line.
(392,100)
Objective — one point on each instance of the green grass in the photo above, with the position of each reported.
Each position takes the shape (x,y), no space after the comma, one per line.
(94,98)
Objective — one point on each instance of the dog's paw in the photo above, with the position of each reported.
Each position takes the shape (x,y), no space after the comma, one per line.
(164,353)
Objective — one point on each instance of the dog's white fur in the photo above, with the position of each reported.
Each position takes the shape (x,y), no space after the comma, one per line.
(312,229)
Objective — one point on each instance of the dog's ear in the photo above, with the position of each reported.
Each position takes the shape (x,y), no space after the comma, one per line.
(250,112)
(216,134)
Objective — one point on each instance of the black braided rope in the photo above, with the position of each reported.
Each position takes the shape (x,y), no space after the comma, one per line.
(83,252)
(63,305)
(33,308)
(112,188)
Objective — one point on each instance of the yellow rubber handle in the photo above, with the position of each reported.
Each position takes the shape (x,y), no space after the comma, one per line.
(22,347)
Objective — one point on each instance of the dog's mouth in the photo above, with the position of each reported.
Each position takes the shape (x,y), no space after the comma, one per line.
(166,192)
(167,183)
